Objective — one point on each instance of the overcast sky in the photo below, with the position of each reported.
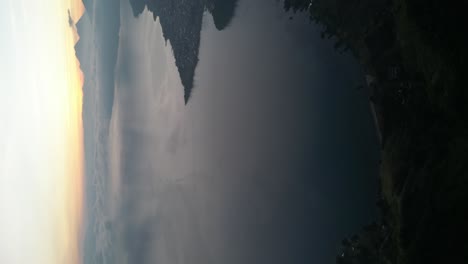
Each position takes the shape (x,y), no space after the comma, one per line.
(274,159)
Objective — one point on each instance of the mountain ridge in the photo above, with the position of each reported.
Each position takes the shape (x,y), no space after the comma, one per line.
(181,23)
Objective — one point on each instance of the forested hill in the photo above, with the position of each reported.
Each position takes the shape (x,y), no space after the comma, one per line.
(181,22)
(415,57)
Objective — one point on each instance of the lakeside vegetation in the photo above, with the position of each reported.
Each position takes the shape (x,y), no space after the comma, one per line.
(415,57)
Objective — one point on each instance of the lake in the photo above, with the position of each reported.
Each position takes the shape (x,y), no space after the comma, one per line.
(274,159)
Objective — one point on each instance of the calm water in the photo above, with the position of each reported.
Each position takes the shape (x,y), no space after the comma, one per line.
(274,159)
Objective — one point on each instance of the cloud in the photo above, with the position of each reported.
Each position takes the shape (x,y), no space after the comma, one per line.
(71,23)
(148,145)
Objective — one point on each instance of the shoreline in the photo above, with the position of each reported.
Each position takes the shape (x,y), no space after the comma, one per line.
(417,100)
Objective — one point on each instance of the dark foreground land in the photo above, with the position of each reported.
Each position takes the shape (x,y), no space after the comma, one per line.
(415,55)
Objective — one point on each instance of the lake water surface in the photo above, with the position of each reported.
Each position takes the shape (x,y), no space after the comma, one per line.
(273,160)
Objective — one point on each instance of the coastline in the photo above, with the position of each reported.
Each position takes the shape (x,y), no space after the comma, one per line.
(417,100)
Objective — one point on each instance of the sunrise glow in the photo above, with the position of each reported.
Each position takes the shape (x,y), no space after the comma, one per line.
(41,172)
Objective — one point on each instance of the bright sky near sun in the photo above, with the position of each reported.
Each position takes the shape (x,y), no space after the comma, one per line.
(41,137)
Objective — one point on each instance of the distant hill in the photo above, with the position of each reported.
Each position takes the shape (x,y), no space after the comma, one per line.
(181,22)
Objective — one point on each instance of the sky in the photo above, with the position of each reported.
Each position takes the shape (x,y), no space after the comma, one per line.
(41,148)
(273,160)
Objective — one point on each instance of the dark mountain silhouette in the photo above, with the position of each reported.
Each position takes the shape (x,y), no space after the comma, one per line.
(181,22)
(89,6)
(222,12)
(96,50)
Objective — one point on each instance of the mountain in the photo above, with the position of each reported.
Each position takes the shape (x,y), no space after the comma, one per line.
(181,22)
(96,50)
(222,11)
